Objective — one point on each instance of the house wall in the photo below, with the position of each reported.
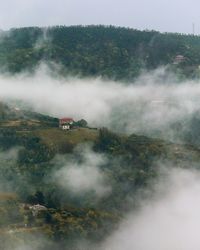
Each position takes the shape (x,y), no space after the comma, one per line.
(65,127)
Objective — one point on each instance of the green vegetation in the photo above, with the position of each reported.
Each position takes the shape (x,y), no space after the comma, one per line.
(107,51)
(33,149)
(31,154)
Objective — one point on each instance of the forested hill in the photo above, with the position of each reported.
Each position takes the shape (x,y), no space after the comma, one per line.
(74,186)
(111,52)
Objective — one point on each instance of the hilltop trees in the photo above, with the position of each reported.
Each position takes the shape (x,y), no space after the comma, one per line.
(111,52)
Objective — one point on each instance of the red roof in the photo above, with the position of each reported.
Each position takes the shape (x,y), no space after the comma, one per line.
(66,119)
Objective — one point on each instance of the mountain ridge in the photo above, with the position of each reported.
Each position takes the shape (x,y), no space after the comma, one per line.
(111,52)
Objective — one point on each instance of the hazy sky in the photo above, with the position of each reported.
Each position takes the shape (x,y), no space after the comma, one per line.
(162,15)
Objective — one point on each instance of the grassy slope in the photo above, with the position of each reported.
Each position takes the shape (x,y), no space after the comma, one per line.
(29,124)
(56,136)
(59,140)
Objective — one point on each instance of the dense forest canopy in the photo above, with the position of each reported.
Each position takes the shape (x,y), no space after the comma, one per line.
(108,51)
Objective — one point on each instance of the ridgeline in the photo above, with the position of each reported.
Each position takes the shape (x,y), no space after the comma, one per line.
(106,51)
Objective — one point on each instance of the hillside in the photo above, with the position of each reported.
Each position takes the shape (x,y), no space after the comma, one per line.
(110,52)
(37,160)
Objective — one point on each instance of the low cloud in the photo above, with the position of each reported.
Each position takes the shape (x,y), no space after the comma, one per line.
(8,159)
(168,221)
(83,175)
(151,105)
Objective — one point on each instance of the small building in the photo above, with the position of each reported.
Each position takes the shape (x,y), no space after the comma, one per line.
(66,123)
(36,209)
(179,59)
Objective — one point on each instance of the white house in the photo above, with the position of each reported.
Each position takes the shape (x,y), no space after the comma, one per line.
(66,123)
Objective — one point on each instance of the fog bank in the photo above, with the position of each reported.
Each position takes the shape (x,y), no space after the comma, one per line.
(82,174)
(147,106)
(169,221)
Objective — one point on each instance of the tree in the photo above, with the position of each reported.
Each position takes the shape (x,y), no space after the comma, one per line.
(82,123)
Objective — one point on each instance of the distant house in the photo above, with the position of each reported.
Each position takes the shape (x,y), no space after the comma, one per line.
(179,59)
(66,123)
(37,208)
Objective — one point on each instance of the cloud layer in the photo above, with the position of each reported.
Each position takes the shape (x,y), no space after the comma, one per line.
(147,106)
(83,175)
(169,221)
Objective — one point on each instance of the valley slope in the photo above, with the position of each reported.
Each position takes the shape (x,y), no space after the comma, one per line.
(34,151)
